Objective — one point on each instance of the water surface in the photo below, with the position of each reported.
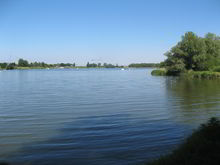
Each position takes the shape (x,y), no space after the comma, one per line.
(98,116)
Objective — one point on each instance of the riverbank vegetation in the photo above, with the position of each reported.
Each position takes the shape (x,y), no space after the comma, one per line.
(194,53)
(201,148)
(188,74)
(159,72)
(144,65)
(202,74)
(24,64)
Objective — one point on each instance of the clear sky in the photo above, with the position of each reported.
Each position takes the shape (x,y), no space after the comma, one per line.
(113,31)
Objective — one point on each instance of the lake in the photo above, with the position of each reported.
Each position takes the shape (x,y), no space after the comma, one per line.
(98,116)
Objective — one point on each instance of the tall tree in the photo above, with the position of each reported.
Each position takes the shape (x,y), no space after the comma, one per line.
(194,52)
(22,63)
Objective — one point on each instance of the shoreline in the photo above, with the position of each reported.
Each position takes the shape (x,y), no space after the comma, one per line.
(188,74)
(79,67)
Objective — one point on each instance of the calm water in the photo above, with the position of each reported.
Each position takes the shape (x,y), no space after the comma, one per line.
(98,116)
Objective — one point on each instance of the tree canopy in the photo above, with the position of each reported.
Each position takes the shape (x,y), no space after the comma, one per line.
(23,63)
(194,53)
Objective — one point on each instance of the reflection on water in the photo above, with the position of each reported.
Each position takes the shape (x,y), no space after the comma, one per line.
(193,100)
(98,116)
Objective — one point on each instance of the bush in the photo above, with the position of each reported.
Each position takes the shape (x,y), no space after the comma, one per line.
(159,72)
(11,66)
(176,66)
(201,148)
(143,65)
(203,75)
(216,69)
(3,65)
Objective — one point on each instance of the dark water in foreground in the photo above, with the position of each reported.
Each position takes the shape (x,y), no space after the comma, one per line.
(98,116)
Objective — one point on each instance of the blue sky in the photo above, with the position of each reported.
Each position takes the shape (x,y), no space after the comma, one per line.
(113,31)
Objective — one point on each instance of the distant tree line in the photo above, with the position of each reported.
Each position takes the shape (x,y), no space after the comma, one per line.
(24,63)
(104,65)
(194,53)
(143,65)
(7,66)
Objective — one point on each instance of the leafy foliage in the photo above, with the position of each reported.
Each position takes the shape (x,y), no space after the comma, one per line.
(142,65)
(159,72)
(203,75)
(11,66)
(3,65)
(89,65)
(194,53)
(23,63)
(216,69)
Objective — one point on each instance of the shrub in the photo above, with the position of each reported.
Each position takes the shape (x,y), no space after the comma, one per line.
(216,69)
(159,72)
(11,66)
(203,75)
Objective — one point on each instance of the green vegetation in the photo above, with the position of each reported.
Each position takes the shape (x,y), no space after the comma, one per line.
(201,148)
(24,64)
(216,69)
(143,65)
(92,65)
(159,72)
(3,65)
(202,74)
(99,65)
(10,66)
(194,53)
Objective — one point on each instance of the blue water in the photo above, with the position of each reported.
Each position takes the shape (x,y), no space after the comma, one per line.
(98,116)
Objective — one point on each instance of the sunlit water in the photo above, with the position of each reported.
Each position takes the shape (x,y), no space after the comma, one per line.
(98,116)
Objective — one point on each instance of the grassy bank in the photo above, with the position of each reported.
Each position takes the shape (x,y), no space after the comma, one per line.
(202,74)
(201,148)
(188,74)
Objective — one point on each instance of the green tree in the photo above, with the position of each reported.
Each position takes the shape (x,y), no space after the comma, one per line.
(174,64)
(194,52)
(11,66)
(3,65)
(23,63)
(212,50)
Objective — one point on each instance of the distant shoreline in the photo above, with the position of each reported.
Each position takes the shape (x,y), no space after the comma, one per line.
(25,65)
(78,67)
